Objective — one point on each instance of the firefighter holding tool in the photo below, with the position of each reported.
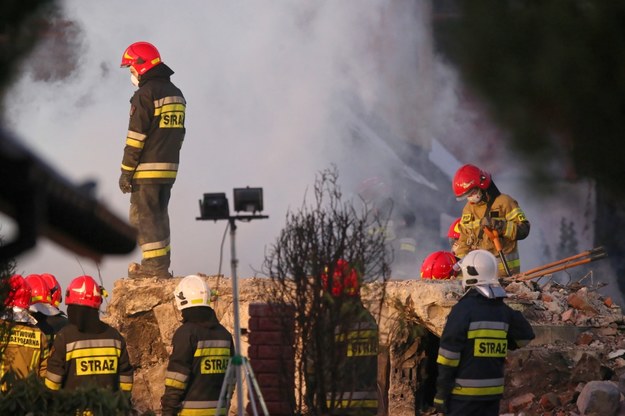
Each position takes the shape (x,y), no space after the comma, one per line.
(490,220)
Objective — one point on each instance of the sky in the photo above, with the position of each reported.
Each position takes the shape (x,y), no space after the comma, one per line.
(270,86)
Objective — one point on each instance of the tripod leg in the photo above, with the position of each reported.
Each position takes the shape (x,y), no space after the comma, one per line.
(226,390)
(253,386)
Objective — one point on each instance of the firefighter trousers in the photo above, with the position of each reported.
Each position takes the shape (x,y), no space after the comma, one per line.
(149,215)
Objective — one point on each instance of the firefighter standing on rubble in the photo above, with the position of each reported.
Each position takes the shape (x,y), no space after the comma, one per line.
(88,352)
(201,352)
(487,207)
(150,163)
(480,329)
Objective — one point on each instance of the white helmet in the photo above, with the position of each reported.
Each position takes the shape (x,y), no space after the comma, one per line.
(479,270)
(192,291)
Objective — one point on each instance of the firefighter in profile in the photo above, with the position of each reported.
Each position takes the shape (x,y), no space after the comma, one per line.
(350,376)
(156,131)
(480,330)
(201,352)
(88,352)
(49,318)
(24,346)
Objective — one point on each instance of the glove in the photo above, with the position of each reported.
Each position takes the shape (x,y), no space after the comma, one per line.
(439,406)
(125,182)
(494,224)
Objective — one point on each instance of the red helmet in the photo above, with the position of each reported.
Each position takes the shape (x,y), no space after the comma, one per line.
(454,230)
(373,188)
(469,177)
(83,290)
(439,265)
(56,293)
(142,56)
(19,292)
(344,281)
(40,289)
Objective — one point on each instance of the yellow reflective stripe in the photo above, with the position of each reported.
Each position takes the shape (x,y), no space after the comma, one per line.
(514,213)
(52,385)
(439,401)
(487,333)
(175,384)
(125,386)
(446,361)
(477,391)
(150,254)
(345,404)
(134,143)
(154,174)
(169,108)
(127,168)
(200,412)
(93,352)
(357,334)
(219,352)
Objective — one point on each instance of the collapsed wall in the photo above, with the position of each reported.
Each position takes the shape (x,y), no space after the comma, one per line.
(579,337)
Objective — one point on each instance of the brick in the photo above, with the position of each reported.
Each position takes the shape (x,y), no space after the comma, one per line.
(270,324)
(286,367)
(275,394)
(275,380)
(271,338)
(271,351)
(270,309)
(520,402)
(281,408)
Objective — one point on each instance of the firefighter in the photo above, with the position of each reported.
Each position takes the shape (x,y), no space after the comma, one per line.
(88,352)
(25,347)
(59,319)
(49,318)
(351,386)
(440,265)
(201,351)
(150,163)
(480,329)
(487,207)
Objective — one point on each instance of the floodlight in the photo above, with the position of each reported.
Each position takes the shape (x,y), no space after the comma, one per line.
(248,199)
(214,207)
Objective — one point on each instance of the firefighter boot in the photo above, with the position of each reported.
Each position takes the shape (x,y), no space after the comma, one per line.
(138,271)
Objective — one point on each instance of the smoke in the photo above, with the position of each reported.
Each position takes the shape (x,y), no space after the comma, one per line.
(266,84)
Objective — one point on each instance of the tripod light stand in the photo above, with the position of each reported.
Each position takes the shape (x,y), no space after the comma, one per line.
(215,207)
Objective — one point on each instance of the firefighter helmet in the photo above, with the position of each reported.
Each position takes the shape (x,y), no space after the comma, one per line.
(439,266)
(41,300)
(142,56)
(467,178)
(192,291)
(84,291)
(344,280)
(56,293)
(454,230)
(479,270)
(19,292)
(373,189)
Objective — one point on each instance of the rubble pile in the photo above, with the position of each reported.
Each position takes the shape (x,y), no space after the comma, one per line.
(576,362)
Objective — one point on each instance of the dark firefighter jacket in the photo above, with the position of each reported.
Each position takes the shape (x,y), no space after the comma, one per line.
(472,237)
(93,354)
(202,348)
(156,129)
(25,349)
(473,346)
(352,386)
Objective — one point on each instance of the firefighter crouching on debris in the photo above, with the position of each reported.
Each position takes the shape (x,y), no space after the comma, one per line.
(487,207)
(351,381)
(480,329)
(88,352)
(151,155)
(202,349)
(24,346)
